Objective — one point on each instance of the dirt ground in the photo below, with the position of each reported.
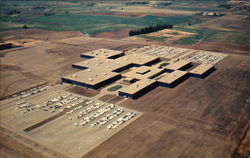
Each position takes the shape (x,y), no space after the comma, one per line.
(38,34)
(126,14)
(149,10)
(199,118)
(171,35)
(83,91)
(243,149)
(132,13)
(11,148)
(111,98)
(229,22)
(228,48)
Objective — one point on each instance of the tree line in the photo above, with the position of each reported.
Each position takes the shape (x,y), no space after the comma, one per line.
(149,29)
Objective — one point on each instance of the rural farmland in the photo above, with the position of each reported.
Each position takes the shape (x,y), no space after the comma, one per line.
(124,79)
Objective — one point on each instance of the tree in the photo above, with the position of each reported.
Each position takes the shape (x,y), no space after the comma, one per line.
(25,27)
(149,29)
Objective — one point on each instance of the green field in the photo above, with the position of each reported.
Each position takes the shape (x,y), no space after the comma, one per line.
(90,24)
(67,16)
(159,38)
(201,35)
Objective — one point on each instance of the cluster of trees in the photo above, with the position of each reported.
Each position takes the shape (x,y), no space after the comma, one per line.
(12,12)
(240,7)
(136,3)
(226,6)
(49,14)
(39,8)
(25,27)
(149,29)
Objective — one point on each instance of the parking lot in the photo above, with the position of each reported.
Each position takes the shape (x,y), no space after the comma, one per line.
(205,57)
(173,53)
(68,123)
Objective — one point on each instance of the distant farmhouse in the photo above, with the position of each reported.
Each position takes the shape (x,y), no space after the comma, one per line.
(212,14)
(160,4)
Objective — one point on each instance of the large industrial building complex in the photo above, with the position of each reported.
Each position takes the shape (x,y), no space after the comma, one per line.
(143,73)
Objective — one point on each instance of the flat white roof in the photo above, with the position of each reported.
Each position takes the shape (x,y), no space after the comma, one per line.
(137,86)
(135,58)
(142,69)
(90,77)
(113,64)
(102,53)
(171,77)
(151,72)
(201,69)
(177,65)
(101,63)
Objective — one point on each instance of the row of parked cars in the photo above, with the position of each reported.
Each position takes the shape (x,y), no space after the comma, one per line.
(28,107)
(97,112)
(94,115)
(121,120)
(170,52)
(87,110)
(75,103)
(28,92)
(206,58)
(159,51)
(107,118)
(51,104)
(64,102)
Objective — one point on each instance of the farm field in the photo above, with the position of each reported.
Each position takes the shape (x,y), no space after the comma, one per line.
(113,19)
(92,24)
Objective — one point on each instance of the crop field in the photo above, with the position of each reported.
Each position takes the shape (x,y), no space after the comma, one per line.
(62,17)
(168,35)
(109,19)
(91,24)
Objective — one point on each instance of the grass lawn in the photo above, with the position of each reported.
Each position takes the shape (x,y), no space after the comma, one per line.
(114,88)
